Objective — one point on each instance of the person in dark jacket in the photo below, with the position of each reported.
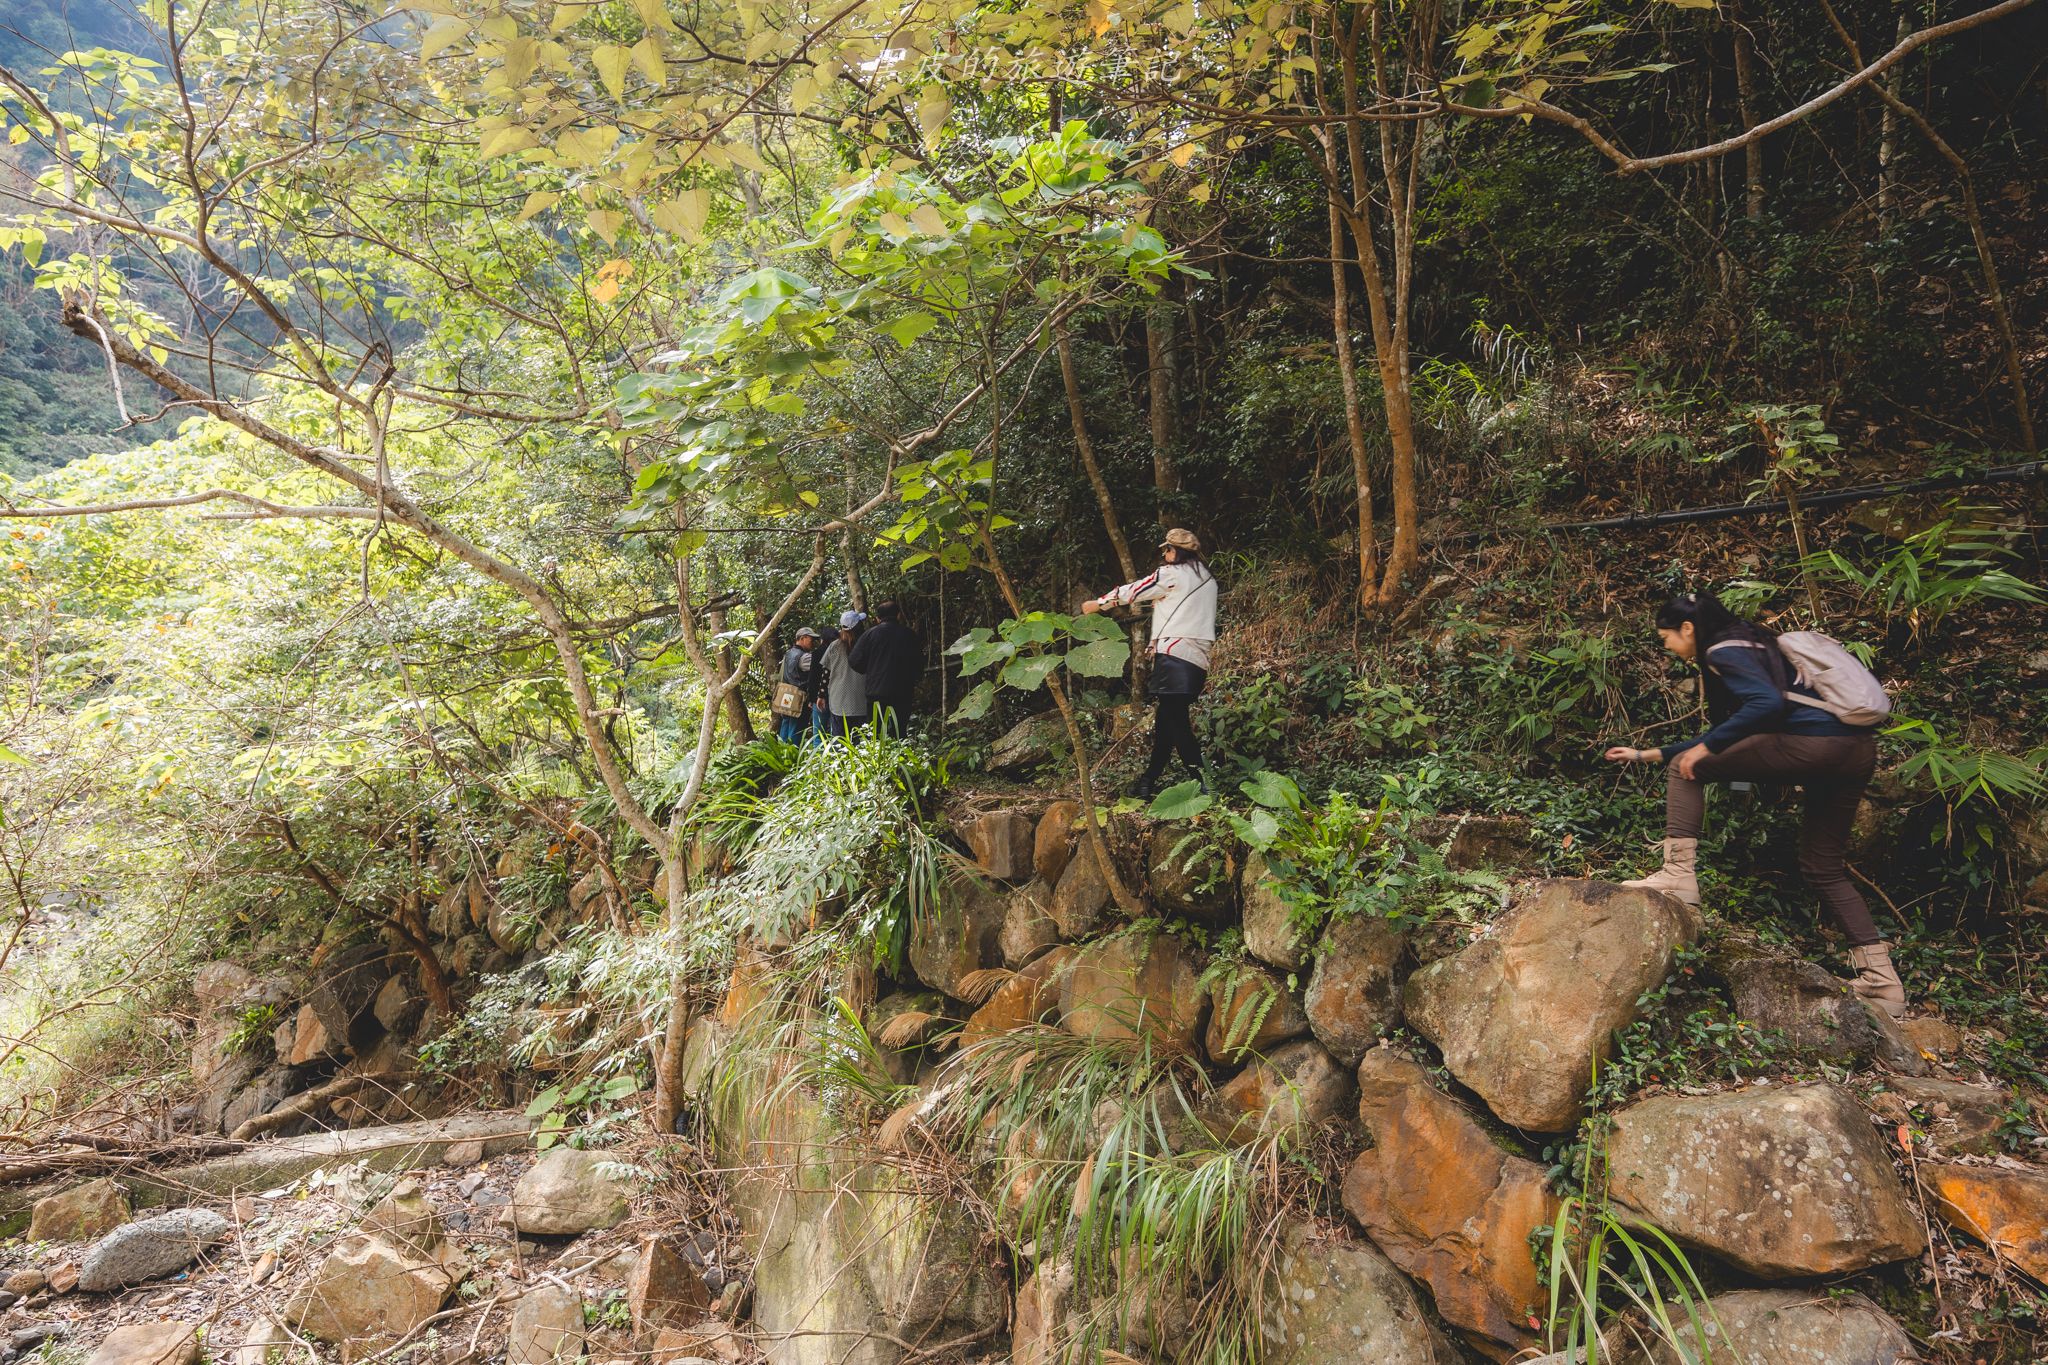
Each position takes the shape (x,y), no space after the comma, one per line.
(1767,726)
(800,668)
(890,659)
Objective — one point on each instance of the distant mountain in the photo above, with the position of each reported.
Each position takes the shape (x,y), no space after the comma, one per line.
(56,403)
(32,32)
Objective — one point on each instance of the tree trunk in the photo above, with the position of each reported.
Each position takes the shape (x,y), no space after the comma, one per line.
(1159,386)
(1746,106)
(856,591)
(1347,373)
(1888,129)
(1389,320)
(1070,377)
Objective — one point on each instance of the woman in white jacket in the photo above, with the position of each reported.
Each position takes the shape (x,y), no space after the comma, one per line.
(1183,593)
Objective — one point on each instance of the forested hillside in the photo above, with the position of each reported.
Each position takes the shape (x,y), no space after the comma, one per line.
(560,592)
(54,400)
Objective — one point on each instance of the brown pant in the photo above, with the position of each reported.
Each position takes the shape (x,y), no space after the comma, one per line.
(1832,769)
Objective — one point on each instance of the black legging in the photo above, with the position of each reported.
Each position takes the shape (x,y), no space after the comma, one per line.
(1173,732)
(1176,683)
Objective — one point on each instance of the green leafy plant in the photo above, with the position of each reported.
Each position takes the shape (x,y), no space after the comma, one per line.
(1025,649)
(1599,1264)
(1244,725)
(1971,782)
(590,1106)
(1933,573)
(1337,859)
(1389,718)
(253,1029)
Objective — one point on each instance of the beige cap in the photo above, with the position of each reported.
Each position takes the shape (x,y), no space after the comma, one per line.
(1182,539)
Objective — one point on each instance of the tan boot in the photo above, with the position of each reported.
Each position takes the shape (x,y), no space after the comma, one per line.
(1877,980)
(1679,876)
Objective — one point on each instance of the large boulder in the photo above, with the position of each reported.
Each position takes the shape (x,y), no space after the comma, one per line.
(1778,1180)
(398,1004)
(1958,1118)
(999,841)
(149,1343)
(546,1327)
(1446,1203)
(1814,1010)
(1352,1000)
(93,1209)
(149,1249)
(1784,1327)
(1340,1301)
(570,1191)
(1032,996)
(344,987)
(1081,899)
(901,1046)
(664,1290)
(311,1042)
(1028,927)
(1298,1086)
(1269,931)
(1525,1012)
(1471,841)
(368,1291)
(959,936)
(2004,1208)
(1250,1013)
(264,1092)
(1052,843)
(408,1220)
(851,1258)
(1135,984)
(1045,1318)
(1030,743)
(1193,873)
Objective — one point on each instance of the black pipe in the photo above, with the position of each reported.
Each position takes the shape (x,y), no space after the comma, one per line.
(2012,473)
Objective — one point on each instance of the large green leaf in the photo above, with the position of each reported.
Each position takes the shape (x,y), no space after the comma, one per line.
(1181,802)
(1275,791)
(975,704)
(1029,671)
(1099,658)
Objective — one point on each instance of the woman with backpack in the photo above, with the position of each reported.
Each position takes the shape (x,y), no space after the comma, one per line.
(1771,724)
(1183,594)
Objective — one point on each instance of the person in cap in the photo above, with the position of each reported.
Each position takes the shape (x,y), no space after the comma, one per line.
(844,703)
(1183,594)
(800,668)
(890,659)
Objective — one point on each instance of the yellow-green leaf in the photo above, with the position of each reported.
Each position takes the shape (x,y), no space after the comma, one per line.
(684,213)
(606,223)
(588,146)
(505,141)
(440,35)
(538,202)
(647,56)
(740,154)
(927,219)
(612,62)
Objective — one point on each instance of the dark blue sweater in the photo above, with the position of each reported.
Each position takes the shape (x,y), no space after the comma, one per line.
(1742,700)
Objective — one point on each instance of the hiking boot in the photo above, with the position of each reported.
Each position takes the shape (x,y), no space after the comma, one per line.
(1877,980)
(1679,877)
(1142,789)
